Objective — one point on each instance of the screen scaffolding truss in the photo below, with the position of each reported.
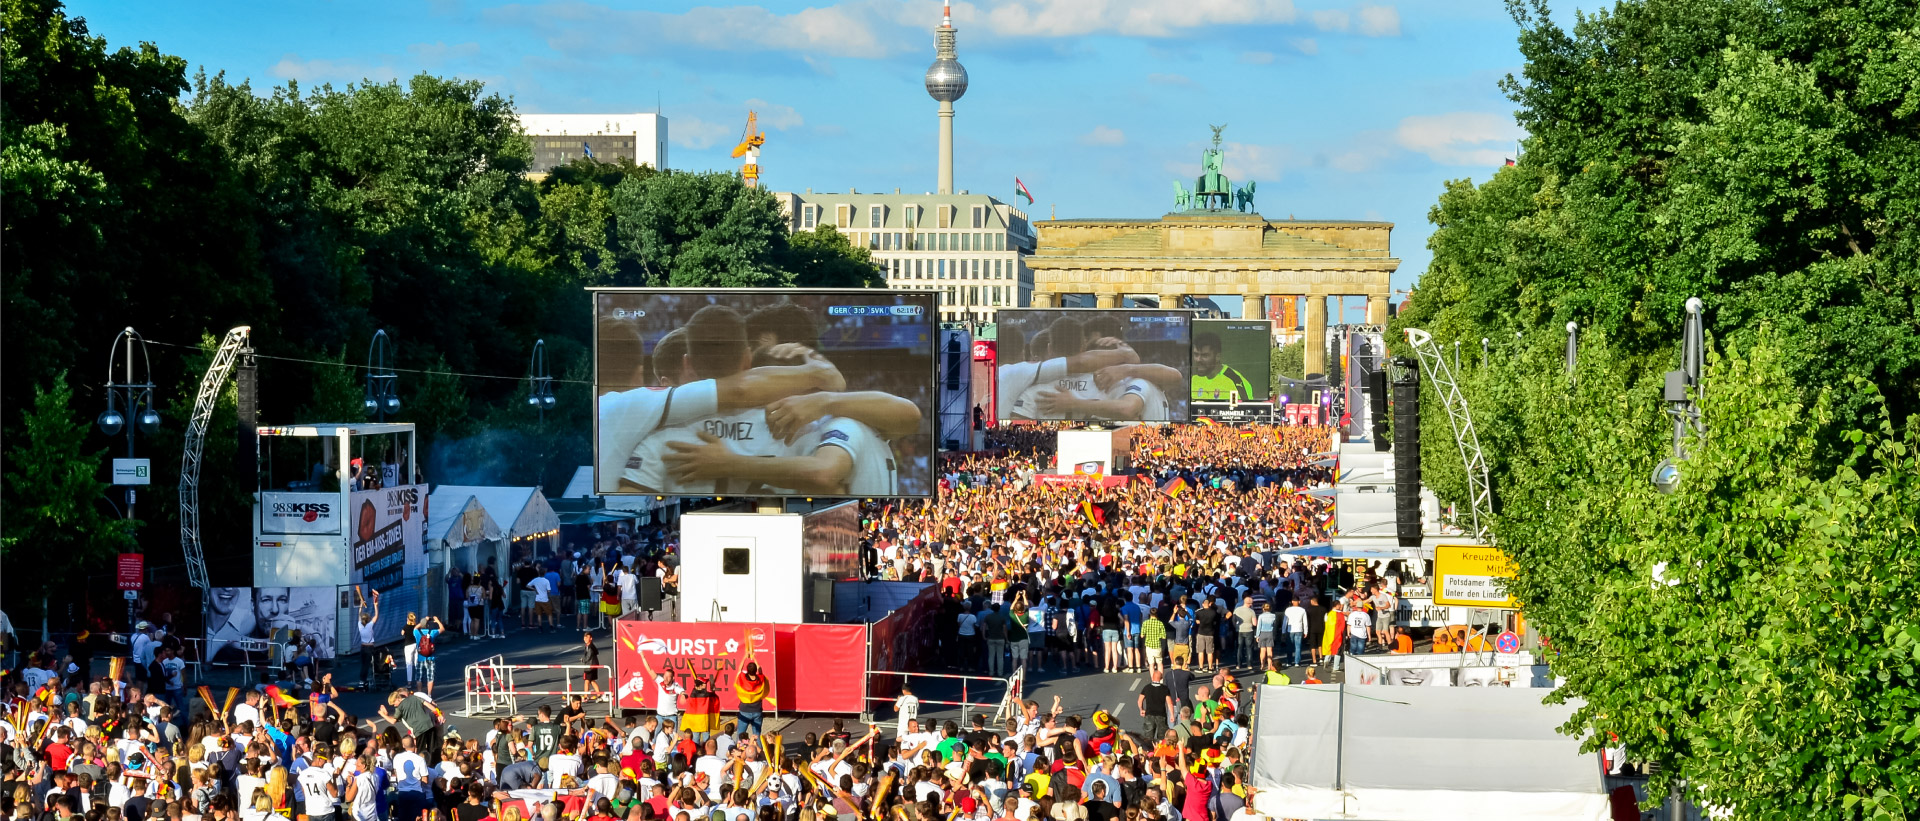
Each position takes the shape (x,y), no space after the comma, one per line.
(1440,372)
(231,348)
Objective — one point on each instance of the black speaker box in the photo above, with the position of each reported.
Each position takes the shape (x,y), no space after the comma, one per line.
(650,593)
(1377,393)
(1406,453)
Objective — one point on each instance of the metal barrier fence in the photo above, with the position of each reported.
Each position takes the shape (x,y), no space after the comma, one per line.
(1006,704)
(492,686)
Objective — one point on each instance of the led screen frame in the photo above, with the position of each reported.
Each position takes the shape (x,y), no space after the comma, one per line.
(863,352)
(1017,392)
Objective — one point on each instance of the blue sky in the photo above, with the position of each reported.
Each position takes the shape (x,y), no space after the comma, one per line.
(1338,109)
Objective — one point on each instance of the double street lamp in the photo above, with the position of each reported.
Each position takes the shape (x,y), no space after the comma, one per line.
(382,397)
(129,406)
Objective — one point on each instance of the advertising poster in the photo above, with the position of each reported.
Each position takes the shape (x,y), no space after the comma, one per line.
(766,392)
(283,512)
(689,651)
(386,545)
(240,619)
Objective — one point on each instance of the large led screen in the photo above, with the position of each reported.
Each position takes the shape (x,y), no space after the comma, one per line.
(1232,357)
(1094,365)
(764,392)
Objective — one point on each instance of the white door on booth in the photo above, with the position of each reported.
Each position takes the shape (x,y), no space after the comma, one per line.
(736,591)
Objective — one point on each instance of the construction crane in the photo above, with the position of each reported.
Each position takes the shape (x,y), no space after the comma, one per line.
(1479,488)
(749,147)
(235,346)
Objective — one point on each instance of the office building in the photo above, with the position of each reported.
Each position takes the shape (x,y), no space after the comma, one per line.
(970,248)
(559,139)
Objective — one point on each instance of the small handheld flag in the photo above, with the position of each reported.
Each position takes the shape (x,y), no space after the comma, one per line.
(1174,487)
(1020,190)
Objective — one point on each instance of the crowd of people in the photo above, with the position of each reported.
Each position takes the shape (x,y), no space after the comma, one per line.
(1177,570)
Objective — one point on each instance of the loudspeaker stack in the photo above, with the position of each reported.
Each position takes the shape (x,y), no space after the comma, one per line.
(1406,451)
(1377,394)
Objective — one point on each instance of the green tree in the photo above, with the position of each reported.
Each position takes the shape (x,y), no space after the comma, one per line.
(827,258)
(58,524)
(1289,361)
(702,230)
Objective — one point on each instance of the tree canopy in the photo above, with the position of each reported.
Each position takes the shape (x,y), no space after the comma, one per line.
(137,196)
(1755,633)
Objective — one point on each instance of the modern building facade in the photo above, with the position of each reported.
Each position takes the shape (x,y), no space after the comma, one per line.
(970,248)
(559,139)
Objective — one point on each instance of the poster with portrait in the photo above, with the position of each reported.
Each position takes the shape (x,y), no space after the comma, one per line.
(387,552)
(243,623)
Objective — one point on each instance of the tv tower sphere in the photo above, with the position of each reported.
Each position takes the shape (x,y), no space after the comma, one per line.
(946,80)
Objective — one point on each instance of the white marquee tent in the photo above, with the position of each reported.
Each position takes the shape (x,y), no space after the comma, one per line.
(1420,754)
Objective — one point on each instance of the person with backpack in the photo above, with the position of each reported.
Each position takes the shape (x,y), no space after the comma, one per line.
(425,635)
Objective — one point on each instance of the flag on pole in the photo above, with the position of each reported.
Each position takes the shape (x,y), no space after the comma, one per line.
(1020,190)
(1510,161)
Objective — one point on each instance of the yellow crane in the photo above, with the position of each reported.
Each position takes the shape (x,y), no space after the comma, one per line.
(749,147)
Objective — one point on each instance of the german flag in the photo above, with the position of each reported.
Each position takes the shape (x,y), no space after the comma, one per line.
(280,699)
(1174,487)
(1097,514)
(1208,422)
(1246,434)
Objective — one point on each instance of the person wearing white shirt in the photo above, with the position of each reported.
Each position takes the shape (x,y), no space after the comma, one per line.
(363,792)
(317,784)
(1296,617)
(411,776)
(563,763)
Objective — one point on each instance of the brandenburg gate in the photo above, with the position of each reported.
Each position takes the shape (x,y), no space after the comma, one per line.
(1214,243)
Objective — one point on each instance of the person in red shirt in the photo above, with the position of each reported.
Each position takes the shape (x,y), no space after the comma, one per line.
(59,752)
(1199,789)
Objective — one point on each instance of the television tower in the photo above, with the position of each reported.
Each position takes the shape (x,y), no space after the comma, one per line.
(946,82)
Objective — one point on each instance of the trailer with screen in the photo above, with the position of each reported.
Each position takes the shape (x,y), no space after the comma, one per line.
(1070,364)
(764,392)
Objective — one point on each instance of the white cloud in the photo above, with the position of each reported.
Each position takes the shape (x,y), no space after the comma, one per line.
(1258,58)
(776,116)
(1331,19)
(1305,45)
(1380,21)
(1139,18)
(688,131)
(321,70)
(1244,162)
(1104,135)
(1460,137)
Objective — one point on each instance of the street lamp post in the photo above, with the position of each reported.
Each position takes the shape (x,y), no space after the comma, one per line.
(136,397)
(382,398)
(540,398)
(1683,408)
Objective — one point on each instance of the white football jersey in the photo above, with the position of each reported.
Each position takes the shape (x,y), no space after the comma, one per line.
(873,467)
(1077,385)
(626,417)
(1154,400)
(744,433)
(1017,378)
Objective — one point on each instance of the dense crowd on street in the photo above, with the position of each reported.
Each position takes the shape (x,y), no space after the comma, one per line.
(1177,570)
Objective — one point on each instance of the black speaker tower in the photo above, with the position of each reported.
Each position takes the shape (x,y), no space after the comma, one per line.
(1377,394)
(1406,451)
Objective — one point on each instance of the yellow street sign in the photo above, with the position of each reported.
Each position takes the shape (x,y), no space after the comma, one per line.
(1471,575)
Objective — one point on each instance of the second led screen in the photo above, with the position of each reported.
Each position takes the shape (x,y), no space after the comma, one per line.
(1094,365)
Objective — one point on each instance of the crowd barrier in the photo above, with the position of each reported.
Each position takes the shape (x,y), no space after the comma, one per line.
(1007,704)
(492,687)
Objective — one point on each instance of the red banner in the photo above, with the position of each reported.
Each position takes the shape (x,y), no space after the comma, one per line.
(822,667)
(983,350)
(131,573)
(715,651)
(904,641)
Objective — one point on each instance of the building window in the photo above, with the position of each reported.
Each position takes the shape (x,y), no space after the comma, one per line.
(911,216)
(873,241)
(875,216)
(979,217)
(843,216)
(946,215)
(996,269)
(943,269)
(807,216)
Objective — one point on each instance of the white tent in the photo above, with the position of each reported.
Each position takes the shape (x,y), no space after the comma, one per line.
(460,534)
(520,513)
(1420,754)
